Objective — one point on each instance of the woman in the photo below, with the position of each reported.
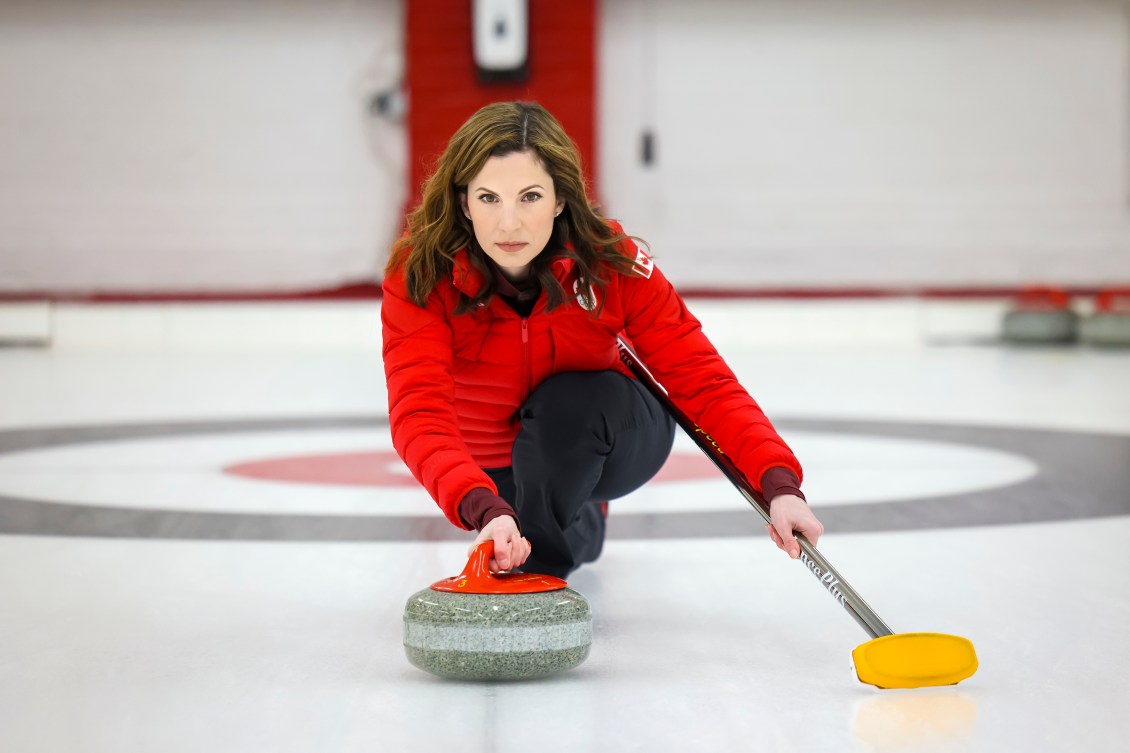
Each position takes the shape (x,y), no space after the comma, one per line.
(507,400)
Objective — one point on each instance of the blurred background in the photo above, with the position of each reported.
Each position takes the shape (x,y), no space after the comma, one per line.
(155,151)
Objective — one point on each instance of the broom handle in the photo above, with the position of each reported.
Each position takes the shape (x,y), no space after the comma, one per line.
(832,581)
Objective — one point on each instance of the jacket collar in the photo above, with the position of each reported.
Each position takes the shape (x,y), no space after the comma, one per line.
(469,280)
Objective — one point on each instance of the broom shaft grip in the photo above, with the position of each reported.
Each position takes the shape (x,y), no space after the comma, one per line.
(817,564)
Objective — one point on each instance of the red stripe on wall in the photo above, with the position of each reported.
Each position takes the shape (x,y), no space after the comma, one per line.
(443,90)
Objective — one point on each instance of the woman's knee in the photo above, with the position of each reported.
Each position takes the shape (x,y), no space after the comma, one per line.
(578,401)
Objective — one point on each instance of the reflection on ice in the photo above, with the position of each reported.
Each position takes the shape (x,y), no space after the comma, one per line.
(918,720)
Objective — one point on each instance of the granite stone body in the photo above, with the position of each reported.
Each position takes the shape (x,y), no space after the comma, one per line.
(470,636)
(1040,326)
(1111,329)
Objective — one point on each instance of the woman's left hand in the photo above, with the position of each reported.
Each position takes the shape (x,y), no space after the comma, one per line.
(790,513)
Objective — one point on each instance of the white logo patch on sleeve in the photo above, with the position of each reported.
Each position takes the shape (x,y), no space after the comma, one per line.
(644,265)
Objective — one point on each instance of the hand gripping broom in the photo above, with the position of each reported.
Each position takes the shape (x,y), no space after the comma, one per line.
(889,659)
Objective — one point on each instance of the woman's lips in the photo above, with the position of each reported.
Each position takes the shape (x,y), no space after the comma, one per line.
(511,247)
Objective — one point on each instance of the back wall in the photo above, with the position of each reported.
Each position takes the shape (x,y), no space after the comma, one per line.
(154,146)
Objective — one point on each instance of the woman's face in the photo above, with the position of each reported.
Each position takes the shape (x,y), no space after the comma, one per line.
(512,204)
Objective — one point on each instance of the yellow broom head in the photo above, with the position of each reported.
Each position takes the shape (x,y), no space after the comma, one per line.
(915,660)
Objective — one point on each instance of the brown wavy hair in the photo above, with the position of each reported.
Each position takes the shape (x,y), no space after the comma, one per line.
(437,228)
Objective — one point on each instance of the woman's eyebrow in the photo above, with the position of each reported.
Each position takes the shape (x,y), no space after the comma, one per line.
(484,189)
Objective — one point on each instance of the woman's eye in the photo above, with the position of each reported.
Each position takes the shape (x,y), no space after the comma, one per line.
(487,198)
(531,196)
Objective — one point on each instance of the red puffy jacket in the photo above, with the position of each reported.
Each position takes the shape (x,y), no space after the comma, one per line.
(456,382)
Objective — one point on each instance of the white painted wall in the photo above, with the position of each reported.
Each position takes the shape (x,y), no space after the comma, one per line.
(159,145)
(841,143)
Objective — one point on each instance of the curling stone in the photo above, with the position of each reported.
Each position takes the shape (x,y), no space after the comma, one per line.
(1041,315)
(1110,324)
(479,625)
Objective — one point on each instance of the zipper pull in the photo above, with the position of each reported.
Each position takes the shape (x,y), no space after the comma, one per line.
(525,330)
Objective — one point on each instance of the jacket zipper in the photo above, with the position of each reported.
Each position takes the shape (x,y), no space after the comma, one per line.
(526,370)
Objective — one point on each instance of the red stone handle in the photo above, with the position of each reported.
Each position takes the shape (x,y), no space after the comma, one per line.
(477,570)
(477,578)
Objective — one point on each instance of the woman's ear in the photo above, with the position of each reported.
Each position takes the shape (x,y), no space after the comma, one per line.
(463,204)
(559,208)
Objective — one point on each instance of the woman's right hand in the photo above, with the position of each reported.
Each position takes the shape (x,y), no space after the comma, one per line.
(510,548)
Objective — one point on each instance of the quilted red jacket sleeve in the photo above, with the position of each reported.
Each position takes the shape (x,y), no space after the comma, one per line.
(672,344)
(418,367)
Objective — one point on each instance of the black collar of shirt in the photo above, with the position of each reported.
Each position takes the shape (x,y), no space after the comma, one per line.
(524,290)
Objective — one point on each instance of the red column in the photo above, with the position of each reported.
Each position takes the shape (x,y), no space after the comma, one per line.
(443,90)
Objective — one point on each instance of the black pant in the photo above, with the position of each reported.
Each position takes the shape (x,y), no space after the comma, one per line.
(585,437)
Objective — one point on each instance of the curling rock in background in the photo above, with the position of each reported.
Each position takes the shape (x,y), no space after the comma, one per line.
(1110,324)
(1041,315)
(482,626)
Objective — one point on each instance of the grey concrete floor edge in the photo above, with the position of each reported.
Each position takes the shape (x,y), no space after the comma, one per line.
(1080,475)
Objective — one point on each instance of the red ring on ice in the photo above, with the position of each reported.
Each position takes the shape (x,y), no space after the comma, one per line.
(384,468)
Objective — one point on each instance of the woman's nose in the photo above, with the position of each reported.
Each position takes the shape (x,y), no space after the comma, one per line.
(509,219)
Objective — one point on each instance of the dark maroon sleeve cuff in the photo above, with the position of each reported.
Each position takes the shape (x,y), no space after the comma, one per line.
(780,480)
(481,506)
